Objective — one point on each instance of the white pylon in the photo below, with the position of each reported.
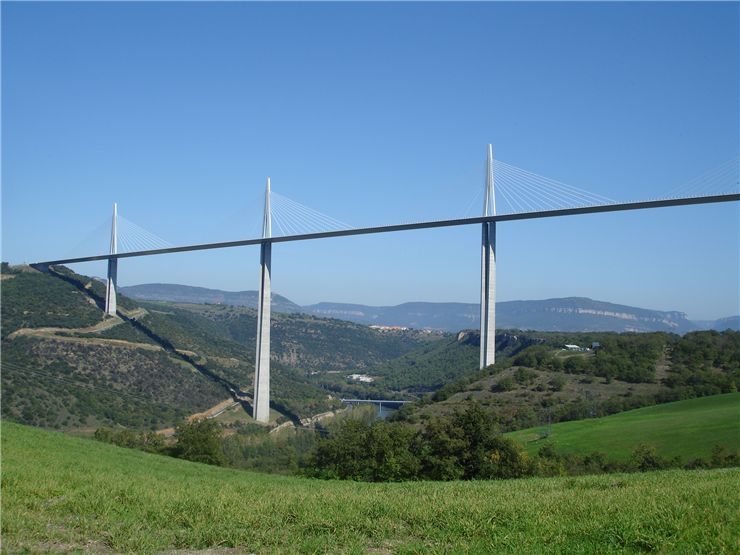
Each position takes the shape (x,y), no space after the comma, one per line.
(488,273)
(261,411)
(112,280)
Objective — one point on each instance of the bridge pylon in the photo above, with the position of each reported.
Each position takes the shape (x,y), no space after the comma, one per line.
(112,281)
(488,273)
(261,410)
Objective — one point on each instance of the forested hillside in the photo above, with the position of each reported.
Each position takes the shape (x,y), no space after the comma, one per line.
(545,382)
(66,366)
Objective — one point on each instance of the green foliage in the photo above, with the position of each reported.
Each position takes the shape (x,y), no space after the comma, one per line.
(645,458)
(705,363)
(145,441)
(444,364)
(686,429)
(722,456)
(256,449)
(558,383)
(525,376)
(377,452)
(504,384)
(465,446)
(68,385)
(200,441)
(124,332)
(619,376)
(432,365)
(298,343)
(80,495)
(133,387)
(33,300)
(628,357)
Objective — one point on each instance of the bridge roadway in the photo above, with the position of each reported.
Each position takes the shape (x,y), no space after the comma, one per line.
(617,207)
(374,401)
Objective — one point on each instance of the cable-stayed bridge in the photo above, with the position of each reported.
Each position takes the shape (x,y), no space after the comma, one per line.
(510,194)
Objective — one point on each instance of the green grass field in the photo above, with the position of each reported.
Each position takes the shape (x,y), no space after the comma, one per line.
(687,429)
(62,493)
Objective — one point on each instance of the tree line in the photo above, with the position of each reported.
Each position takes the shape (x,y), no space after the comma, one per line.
(464,446)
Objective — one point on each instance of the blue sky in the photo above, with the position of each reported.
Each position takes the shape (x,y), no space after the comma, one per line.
(376,113)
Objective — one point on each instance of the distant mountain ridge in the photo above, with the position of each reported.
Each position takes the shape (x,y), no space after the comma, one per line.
(570,314)
(202,295)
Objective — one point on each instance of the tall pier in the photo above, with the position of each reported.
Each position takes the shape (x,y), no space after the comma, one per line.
(112,281)
(262,358)
(488,273)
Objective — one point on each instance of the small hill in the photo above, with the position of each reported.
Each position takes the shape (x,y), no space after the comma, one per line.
(686,429)
(546,382)
(64,494)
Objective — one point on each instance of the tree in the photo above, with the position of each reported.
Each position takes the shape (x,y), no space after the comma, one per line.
(506,459)
(200,441)
(389,448)
(442,442)
(342,455)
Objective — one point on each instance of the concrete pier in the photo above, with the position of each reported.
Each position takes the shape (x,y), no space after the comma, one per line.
(262,357)
(112,281)
(488,273)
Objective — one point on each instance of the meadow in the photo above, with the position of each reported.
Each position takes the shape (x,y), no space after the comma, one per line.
(687,429)
(69,494)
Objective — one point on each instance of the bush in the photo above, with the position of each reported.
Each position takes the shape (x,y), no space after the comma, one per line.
(645,458)
(505,384)
(558,383)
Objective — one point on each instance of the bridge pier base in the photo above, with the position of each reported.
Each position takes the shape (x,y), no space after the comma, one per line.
(110,287)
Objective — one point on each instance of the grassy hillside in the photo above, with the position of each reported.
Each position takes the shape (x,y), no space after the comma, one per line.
(63,494)
(687,429)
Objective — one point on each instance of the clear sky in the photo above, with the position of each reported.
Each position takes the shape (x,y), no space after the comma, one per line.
(376,113)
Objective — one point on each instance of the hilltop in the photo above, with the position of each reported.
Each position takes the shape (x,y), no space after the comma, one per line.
(62,493)
(572,314)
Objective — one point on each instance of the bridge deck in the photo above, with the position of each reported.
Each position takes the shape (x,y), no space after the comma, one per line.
(619,207)
(375,401)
